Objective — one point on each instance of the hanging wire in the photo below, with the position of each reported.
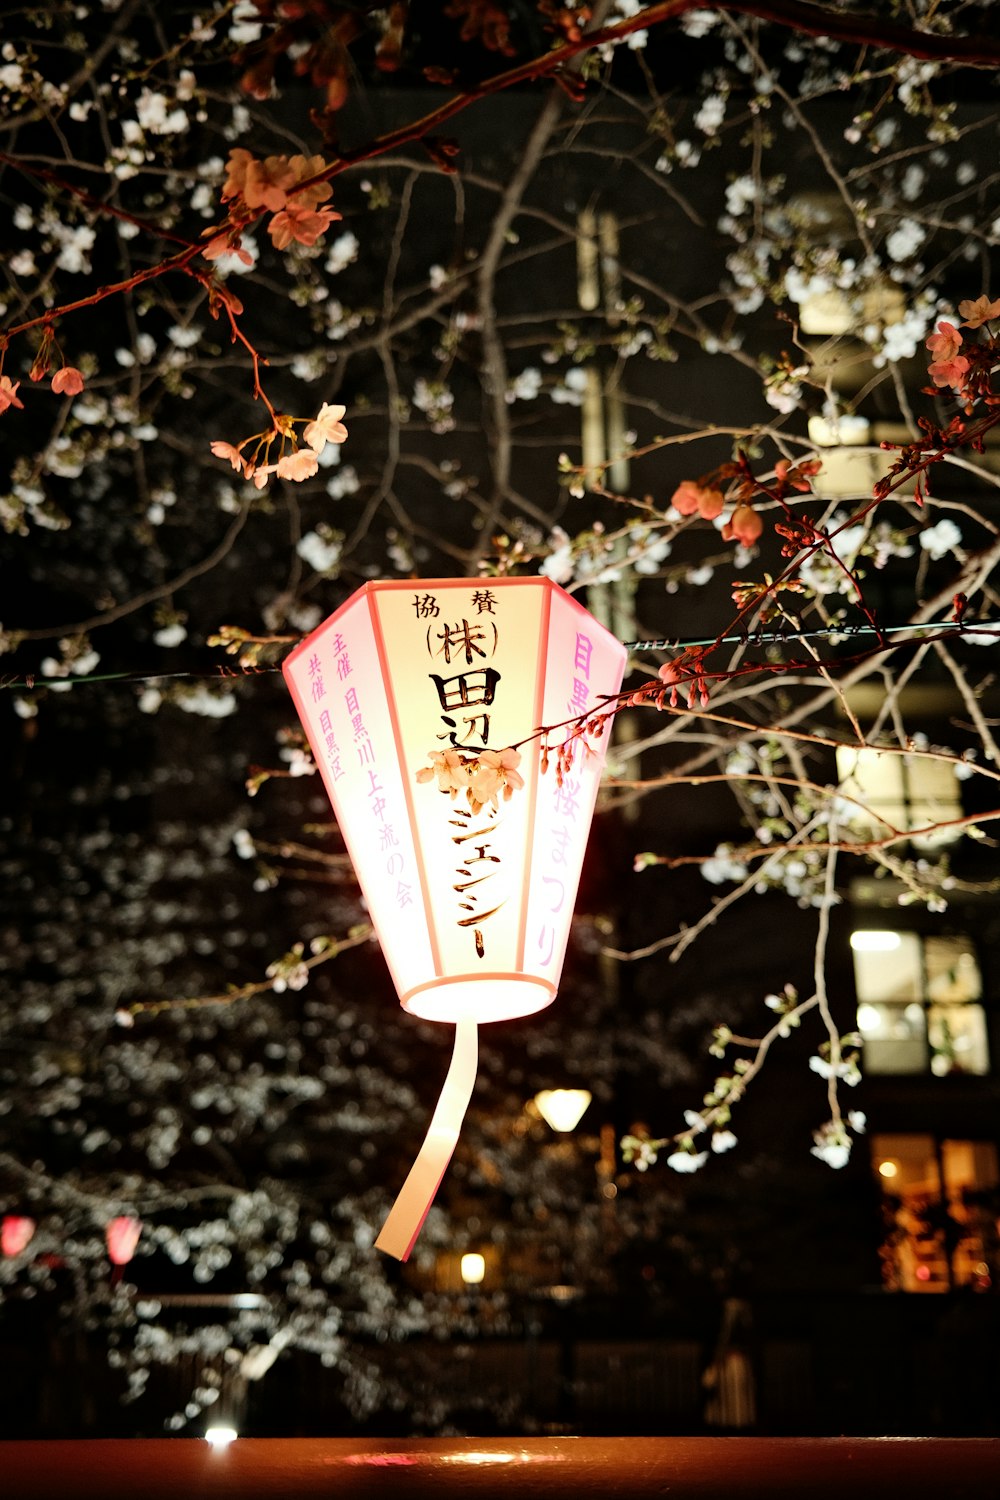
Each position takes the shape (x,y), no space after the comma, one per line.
(840,632)
(31,681)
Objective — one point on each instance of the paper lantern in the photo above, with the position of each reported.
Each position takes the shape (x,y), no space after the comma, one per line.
(422,702)
(122,1236)
(15,1233)
(563,1109)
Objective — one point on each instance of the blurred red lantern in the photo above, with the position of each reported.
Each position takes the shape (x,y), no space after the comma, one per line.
(15,1233)
(422,702)
(122,1236)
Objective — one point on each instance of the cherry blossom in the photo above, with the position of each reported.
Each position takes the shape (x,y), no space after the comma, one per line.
(261,184)
(976,313)
(949,372)
(327,427)
(944,344)
(744,526)
(303,225)
(797,476)
(226,450)
(272,182)
(67,382)
(494,772)
(8,393)
(483,776)
(226,242)
(451,770)
(687,1161)
(301,464)
(261,475)
(690,498)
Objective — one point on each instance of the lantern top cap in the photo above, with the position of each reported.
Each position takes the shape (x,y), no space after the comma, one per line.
(481,586)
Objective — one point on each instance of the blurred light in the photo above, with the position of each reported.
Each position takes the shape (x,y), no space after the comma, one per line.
(379,1460)
(478,1457)
(923,1273)
(887,1169)
(220,1437)
(562,1109)
(473,1269)
(122,1235)
(869,1019)
(868,940)
(845,429)
(16,1233)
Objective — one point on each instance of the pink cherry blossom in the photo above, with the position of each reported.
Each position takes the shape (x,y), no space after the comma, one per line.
(326,428)
(227,242)
(797,475)
(67,382)
(689,497)
(949,371)
(944,344)
(301,464)
(744,525)
(226,450)
(450,768)
(304,225)
(494,772)
(981,311)
(8,393)
(267,182)
(260,476)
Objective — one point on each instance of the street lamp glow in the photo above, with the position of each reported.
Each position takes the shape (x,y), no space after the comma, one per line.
(562,1109)
(870,940)
(220,1437)
(473,1269)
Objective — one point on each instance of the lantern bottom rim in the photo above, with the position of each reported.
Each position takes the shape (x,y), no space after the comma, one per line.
(479,997)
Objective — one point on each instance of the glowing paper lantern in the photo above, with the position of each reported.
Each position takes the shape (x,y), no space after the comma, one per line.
(122,1236)
(469,869)
(15,1233)
(562,1109)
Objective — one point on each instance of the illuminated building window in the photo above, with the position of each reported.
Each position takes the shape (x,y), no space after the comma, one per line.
(918,1003)
(939,1202)
(884,792)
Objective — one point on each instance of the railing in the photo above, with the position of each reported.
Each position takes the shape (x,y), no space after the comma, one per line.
(438,1468)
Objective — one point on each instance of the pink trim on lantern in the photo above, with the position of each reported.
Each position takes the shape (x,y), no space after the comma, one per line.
(535,751)
(408,781)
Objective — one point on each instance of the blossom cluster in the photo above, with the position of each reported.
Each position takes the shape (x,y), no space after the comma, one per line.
(953,359)
(301,462)
(282,186)
(483,777)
